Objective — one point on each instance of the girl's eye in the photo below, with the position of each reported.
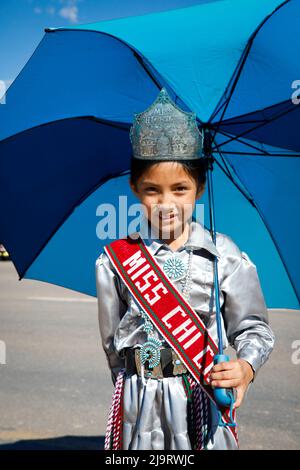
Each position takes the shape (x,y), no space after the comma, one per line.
(181,188)
(150,189)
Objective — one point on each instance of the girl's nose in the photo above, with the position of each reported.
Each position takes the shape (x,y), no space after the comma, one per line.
(165,199)
(166,206)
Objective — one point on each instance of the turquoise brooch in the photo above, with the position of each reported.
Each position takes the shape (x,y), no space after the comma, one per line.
(174,268)
(150,351)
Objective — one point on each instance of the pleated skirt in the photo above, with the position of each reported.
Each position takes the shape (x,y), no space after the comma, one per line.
(156,416)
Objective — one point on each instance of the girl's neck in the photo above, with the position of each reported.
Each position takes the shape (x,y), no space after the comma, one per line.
(176,242)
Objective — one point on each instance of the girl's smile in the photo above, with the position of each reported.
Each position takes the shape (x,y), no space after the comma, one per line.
(165,214)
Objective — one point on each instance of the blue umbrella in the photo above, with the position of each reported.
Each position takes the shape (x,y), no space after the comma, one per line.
(65,148)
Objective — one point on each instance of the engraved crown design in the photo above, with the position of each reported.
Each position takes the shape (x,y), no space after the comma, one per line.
(165,132)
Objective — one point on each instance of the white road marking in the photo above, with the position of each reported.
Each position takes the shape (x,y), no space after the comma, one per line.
(62,299)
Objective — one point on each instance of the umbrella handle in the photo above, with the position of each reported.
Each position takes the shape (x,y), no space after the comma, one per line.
(223,396)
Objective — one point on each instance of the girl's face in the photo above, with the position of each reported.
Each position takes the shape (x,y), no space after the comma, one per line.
(168,194)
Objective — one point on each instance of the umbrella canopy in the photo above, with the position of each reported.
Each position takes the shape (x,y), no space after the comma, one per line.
(65,148)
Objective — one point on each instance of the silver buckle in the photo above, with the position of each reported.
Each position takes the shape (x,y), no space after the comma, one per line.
(155,373)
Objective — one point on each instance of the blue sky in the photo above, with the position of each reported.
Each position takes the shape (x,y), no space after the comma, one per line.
(22,22)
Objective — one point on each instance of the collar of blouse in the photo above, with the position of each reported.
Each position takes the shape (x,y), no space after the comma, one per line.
(199,237)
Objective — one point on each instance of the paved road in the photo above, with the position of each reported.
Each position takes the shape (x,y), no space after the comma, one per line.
(56,389)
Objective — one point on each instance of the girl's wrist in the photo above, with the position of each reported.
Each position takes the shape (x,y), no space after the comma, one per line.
(249,369)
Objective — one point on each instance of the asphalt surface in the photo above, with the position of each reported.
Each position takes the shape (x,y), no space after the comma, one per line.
(55,387)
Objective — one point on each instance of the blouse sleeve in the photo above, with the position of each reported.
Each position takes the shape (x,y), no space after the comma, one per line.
(111,307)
(245,313)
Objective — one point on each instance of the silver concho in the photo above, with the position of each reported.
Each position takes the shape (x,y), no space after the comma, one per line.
(178,366)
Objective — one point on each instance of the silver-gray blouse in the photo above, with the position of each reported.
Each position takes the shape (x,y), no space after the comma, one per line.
(155,412)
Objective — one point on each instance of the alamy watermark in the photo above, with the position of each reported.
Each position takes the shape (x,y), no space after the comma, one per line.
(2,352)
(296,94)
(163,220)
(4,84)
(295,358)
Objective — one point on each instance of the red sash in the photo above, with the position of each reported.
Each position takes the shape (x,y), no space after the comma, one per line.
(172,315)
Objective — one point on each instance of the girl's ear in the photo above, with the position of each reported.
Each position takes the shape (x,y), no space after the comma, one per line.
(200,191)
(133,187)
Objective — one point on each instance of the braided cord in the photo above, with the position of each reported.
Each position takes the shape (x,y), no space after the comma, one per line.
(198,403)
(109,427)
(199,414)
(113,436)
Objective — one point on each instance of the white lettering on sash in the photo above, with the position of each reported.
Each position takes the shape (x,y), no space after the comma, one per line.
(207,369)
(171,314)
(187,332)
(192,340)
(183,326)
(134,261)
(147,283)
(140,271)
(157,296)
(201,354)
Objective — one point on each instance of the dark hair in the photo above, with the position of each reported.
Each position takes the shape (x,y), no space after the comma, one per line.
(195,168)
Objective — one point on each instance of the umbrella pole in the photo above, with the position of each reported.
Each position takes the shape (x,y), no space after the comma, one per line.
(223,396)
(208,155)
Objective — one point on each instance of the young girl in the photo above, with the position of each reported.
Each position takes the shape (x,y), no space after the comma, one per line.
(158,402)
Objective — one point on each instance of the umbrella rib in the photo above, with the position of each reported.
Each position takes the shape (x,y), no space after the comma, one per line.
(229,175)
(238,73)
(266,121)
(142,63)
(256,154)
(135,52)
(247,144)
(240,66)
(228,121)
(219,107)
(226,165)
(261,151)
(124,127)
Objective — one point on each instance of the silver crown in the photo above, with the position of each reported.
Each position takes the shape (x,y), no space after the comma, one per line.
(165,132)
